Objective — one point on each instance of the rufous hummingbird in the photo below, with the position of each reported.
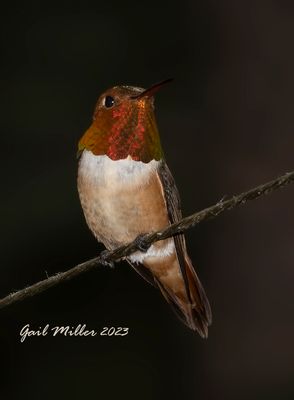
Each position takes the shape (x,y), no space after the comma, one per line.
(126,190)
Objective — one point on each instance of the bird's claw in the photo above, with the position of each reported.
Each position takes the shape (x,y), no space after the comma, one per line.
(141,243)
(103,259)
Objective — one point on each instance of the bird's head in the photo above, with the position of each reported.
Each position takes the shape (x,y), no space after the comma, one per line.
(124,125)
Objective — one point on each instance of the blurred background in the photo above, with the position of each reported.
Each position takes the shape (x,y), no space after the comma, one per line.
(226,125)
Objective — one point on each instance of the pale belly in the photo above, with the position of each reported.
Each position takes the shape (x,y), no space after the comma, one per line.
(120,199)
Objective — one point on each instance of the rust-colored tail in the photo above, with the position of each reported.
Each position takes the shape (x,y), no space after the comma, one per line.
(198,312)
(180,285)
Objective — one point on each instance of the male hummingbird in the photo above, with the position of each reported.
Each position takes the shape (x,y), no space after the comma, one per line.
(126,190)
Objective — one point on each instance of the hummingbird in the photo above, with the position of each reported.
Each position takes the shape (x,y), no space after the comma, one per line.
(126,190)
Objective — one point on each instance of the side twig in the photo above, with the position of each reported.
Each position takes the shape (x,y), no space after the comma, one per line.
(171,230)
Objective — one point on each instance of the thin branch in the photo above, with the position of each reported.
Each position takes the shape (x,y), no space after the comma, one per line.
(171,230)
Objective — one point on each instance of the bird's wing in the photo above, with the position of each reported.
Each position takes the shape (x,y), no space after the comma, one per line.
(198,314)
(174,274)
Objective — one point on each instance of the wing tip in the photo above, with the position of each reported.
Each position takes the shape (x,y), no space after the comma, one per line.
(195,318)
(200,325)
(199,320)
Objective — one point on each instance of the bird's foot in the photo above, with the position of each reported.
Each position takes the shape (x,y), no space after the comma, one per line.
(141,243)
(103,259)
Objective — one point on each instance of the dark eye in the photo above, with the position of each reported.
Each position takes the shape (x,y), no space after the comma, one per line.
(108,101)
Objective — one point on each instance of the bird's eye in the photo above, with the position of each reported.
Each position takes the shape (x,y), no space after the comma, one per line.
(108,101)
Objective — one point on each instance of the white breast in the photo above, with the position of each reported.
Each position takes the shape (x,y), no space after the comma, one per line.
(102,171)
(101,182)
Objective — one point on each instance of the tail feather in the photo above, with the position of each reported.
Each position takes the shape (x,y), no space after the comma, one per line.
(186,296)
(199,310)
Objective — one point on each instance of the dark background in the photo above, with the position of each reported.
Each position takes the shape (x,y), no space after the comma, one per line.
(226,125)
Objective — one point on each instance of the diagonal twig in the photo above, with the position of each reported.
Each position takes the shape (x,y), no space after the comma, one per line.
(174,229)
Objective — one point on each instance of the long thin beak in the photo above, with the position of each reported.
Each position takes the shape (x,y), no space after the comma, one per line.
(152,89)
